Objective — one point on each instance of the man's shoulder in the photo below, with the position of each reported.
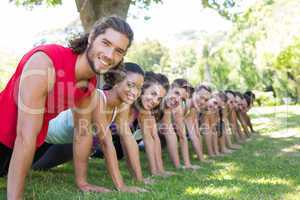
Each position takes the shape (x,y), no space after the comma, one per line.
(53,47)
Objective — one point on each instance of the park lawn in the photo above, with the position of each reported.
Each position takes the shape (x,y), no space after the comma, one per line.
(267,167)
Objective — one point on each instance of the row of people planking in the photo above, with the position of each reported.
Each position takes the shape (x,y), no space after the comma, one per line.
(53,110)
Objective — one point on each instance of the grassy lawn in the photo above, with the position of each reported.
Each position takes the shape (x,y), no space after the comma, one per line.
(267,167)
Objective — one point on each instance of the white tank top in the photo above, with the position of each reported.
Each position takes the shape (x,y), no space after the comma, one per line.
(61,128)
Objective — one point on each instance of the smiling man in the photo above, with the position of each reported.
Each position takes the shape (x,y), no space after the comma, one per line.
(48,80)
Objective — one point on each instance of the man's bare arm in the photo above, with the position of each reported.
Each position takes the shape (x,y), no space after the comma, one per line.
(36,80)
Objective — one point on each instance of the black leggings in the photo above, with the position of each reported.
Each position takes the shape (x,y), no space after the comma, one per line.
(5,155)
(52,155)
(118,146)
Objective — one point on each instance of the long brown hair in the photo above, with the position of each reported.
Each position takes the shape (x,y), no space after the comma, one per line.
(79,45)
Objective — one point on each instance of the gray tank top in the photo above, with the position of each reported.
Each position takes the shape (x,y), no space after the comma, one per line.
(61,128)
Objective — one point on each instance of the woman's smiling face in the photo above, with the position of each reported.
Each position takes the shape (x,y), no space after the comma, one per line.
(130,88)
(200,98)
(152,96)
(174,97)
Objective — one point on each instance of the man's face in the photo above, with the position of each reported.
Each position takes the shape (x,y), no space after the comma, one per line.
(107,50)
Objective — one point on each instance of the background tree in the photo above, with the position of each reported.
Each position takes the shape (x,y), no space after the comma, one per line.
(150,54)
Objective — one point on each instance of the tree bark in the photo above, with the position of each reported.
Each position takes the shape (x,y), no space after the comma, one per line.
(93,10)
(207,73)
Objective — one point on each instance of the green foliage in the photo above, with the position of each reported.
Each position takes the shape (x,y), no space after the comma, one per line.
(145,3)
(289,58)
(31,3)
(149,54)
(262,50)
(184,63)
(266,99)
(8,62)
(181,62)
(226,8)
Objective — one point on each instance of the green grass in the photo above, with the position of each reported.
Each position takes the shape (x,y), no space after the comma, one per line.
(267,167)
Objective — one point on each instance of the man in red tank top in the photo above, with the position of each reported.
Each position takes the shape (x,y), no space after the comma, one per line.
(48,80)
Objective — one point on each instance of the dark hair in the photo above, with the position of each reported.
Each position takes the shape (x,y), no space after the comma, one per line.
(79,45)
(182,83)
(222,96)
(230,92)
(238,94)
(114,76)
(204,87)
(163,80)
(249,96)
(151,78)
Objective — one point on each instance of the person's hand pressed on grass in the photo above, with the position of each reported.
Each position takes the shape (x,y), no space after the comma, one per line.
(93,188)
(131,189)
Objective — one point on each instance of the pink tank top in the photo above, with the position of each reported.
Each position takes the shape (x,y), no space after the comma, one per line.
(64,94)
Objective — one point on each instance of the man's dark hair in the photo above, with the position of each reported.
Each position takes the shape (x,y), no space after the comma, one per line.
(114,76)
(79,45)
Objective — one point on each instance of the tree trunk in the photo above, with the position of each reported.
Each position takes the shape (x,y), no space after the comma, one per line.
(205,56)
(207,73)
(93,10)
